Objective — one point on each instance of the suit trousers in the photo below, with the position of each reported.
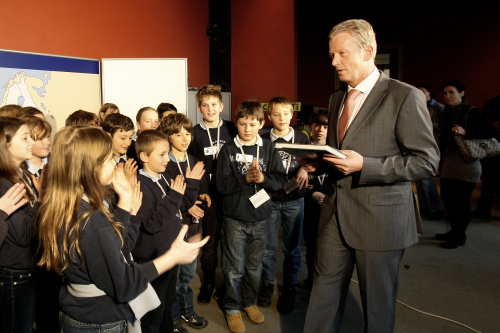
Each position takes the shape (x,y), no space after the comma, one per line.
(378,274)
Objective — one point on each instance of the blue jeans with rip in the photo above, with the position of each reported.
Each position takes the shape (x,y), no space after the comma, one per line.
(183,304)
(291,214)
(244,244)
(17,300)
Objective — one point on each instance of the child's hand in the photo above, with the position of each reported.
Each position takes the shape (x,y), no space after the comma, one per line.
(130,168)
(302,178)
(184,252)
(195,238)
(196,211)
(197,172)
(178,185)
(258,177)
(318,197)
(136,198)
(206,197)
(123,188)
(13,199)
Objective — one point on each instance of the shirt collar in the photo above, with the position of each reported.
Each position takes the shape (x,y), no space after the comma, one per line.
(239,144)
(124,157)
(173,158)
(287,137)
(368,83)
(204,126)
(153,178)
(34,169)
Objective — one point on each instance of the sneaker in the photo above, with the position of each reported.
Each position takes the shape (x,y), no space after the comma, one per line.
(195,321)
(287,300)
(254,314)
(205,294)
(178,328)
(235,323)
(265,295)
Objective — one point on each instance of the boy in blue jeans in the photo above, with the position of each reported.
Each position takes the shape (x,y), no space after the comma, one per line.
(248,169)
(288,206)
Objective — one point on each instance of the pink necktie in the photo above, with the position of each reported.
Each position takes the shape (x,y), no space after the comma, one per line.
(346,113)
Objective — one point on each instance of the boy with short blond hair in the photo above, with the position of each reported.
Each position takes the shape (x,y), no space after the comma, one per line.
(288,206)
(249,168)
(161,219)
(208,138)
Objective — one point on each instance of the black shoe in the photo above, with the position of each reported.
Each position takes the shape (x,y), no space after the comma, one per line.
(287,300)
(265,295)
(195,321)
(205,294)
(444,237)
(220,292)
(178,328)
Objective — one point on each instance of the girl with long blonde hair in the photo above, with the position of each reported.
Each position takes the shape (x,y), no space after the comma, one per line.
(82,233)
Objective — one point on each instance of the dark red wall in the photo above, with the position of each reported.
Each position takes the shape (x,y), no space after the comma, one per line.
(111,29)
(263,47)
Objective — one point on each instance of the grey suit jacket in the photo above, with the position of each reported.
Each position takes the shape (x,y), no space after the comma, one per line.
(393,133)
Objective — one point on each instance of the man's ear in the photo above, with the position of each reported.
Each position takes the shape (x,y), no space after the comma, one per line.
(369,52)
(144,157)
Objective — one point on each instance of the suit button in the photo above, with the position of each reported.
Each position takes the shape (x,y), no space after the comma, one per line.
(339,186)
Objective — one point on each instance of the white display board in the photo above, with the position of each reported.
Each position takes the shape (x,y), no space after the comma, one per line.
(135,83)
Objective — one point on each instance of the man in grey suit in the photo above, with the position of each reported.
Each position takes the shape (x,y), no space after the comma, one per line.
(368,219)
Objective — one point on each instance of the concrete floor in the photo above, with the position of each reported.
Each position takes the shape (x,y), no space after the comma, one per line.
(461,284)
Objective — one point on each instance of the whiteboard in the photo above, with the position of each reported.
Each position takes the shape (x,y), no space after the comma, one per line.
(135,83)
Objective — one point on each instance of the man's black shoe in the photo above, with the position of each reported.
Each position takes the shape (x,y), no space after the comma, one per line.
(205,294)
(444,237)
(265,295)
(195,321)
(287,300)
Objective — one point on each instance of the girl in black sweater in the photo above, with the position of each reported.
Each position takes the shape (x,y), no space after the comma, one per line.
(82,234)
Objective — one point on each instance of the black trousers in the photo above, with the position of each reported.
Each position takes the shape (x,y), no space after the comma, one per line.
(456,196)
(160,319)
(211,224)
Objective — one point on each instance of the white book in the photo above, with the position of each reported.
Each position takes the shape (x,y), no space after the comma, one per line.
(303,150)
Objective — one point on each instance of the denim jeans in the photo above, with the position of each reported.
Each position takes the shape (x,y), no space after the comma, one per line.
(70,325)
(428,196)
(244,245)
(183,304)
(291,214)
(17,300)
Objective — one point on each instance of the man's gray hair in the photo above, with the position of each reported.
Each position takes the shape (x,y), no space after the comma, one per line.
(361,30)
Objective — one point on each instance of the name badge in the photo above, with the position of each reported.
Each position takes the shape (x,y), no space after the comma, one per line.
(240,158)
(259,198)
(209,151)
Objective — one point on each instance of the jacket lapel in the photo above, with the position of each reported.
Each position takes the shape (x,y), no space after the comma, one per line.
(377,94)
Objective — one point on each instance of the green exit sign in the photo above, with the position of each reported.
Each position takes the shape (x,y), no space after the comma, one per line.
(296,106)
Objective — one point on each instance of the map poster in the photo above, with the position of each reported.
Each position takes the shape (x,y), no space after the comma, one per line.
(56,85)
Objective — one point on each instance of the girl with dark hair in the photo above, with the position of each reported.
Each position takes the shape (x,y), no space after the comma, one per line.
(17,297)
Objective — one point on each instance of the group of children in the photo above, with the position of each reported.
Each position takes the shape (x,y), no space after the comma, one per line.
(122,215)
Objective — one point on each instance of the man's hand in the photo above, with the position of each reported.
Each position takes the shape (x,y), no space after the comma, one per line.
(353,163)
(302,178)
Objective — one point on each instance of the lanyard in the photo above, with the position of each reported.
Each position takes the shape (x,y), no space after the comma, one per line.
(164,193)
(289,155)
(179,166)
(214,155)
